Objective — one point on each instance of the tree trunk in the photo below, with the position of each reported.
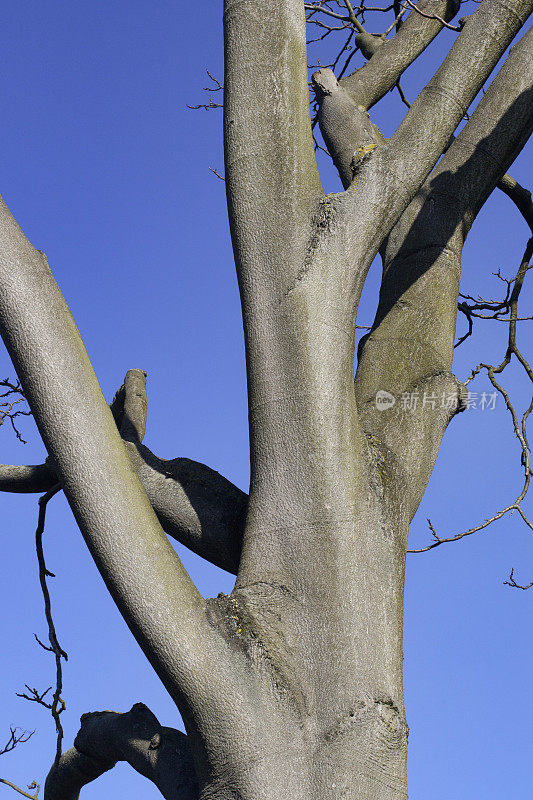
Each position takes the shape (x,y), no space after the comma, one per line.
(291,686)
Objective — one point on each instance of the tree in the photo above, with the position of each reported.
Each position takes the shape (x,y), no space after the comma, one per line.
(291,685)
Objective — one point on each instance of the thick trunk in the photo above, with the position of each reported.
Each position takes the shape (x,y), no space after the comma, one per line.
(325,710)
(317,606)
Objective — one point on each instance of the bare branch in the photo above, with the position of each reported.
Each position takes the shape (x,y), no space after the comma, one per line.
(133,424)
(32,787)
(35,696)
(141,569)
(443,102)
(27,479)
(520,196)
(194,504)
(515,585)
(158,753)
(414,7)
(519,427)
(414,329)
(16,736)
(216,87)
(10,401)
(372,82)
(57,706)
(217,174)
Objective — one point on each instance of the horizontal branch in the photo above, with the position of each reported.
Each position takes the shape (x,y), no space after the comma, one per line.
(35,478)
(158,753)
(194,504)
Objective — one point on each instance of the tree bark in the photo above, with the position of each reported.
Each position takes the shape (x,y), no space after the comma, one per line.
(291,686)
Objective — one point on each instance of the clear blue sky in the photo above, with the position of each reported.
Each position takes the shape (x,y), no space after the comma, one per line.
(107,172)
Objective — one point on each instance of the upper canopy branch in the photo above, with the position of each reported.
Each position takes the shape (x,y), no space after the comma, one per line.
(371,82)
(413,333)
(385,182)
(270,166)
(440,106)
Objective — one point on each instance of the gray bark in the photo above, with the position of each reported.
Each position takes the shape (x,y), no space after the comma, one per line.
(193,503)
(160,754)
(292,685)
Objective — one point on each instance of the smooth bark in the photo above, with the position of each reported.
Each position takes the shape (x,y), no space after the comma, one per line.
(292,685)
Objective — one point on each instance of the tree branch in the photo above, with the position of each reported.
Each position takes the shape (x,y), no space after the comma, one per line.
(270,167)
(385,177)
(133,424)
(27,479)
(160,754)
(520,196)
(371,82)
(344,124)
(414,329)
(443,102)
(16,738)
(142,571)
(194,504)
(9,405)
(32,787)
(57,706)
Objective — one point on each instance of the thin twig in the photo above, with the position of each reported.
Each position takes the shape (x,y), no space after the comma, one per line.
(510,302)
(515,585)
(456,28)
(32,786)
(213,170)
(57,705)
(15,739)
(218,87)
(12,397)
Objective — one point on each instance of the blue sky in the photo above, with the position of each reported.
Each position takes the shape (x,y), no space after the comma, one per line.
(107,172)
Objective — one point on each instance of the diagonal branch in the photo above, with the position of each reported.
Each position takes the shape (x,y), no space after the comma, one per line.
(385,177)
(33,787)
(142,571)
(520,196)
(371,82)
(158,753)
(440,106)
(413,333)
